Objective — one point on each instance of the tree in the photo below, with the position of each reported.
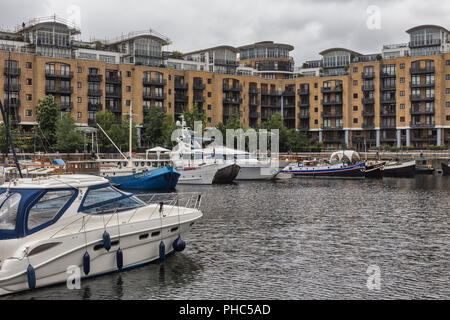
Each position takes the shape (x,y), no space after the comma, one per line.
(276,122)
(297,141)
(105,119)
(176,55)
(68,139)
(233,123)
(192,116)
(158,128)
(47,114)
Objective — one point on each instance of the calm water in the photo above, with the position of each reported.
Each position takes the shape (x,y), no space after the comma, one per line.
(299,239)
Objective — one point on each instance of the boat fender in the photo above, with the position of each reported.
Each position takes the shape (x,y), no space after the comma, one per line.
(119,258)
(162,251)
(106,241)
(31,275)
(179,245)
(86,263)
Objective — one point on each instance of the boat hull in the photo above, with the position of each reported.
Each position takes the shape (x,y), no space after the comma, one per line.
(350,172)
(201,175)
(445,169)
(164,178)
(374,172)
(407,170)
(226,174)
(250,172)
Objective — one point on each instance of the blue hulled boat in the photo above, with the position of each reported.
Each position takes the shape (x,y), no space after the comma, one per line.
(163,178)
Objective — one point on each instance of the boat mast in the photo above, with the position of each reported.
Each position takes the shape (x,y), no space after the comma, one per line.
(8,133)
(130,162)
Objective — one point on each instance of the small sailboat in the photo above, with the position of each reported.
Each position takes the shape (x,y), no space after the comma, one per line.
(139,177)
(50,223)
(400,169)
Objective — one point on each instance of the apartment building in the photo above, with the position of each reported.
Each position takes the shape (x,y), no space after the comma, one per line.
(399,97)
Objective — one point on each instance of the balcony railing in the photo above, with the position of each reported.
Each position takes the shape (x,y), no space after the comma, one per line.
(303,91)
(114,109)
(199,86)
(331,127)
(254,90)
(270,104)
(368,75)
(95,106)
(388,125)
(199,99)
(13,103)
(388,100)
(418,111)
(58,90)
(390,87)
(388,113)
(15,87)
(368,100)
(331,102)
(418,98)
(336,89)
(254,115)
(65,105)
(229,63)
(13,72)
(420,125)
(303,104)
(154,96)
(289,93)
(369,87)
(232,88)
(59,74)
(270,93)
(95,92)
(331,115)
(304,115)
(113,79)
(369,125)
(181,98)
(425,43)
(95,77)
(422,85)
(114,94)
(254,103)
(422,70)
(387,74)
(180,85)
(368,113)
(154,82)
(235,101)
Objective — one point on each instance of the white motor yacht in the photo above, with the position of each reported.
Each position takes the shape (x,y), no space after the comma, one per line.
(52,223)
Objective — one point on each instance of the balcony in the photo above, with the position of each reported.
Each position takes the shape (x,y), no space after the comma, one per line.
(368,125)
(199,99)
(153,96)
(253,103)
(180,85)
(422,70)
(13,103)
(254,90)
(181,98)
(390,87)
(420,125)
(304,115)
(331,102)
(232,88)
(271,105)
(13,72)
(199,86)
(388,125)
(331,127)
(95,106)
(154,82)
(65,106)
(368,100)
(368,75)
(234,101)
(289,116)
(254,115)
(228,63)
(289,93)
(95,77)
(113,79)
(368,87)
(331,115)
(388,100)
(12,87)
(421,85)
(337,89)
(303,104)
(270,93)
(303,126)
(368,113)
(418,98)
(95,92)
(425,43)
(418,111)
(58,90)
(388,113)
(115,94)
(303,91)
(57,74)
(387,75)
(114,109)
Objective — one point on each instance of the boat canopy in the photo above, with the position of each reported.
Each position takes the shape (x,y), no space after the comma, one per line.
(347,155)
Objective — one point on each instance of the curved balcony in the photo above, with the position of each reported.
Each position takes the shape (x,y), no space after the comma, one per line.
(422,70)
(95,77)
(57,74)
(154,82)
(337,89)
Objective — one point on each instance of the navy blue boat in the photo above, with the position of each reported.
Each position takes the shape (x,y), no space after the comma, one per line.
(163,178)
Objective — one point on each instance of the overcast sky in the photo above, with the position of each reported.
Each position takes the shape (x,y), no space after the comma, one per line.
(309,25)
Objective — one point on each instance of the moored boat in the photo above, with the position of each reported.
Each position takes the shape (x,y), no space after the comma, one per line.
(50,224)
(445,169)
(400,169)
(374,171)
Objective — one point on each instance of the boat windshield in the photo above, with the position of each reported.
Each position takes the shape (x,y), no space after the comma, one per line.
(107,200)
(9,204)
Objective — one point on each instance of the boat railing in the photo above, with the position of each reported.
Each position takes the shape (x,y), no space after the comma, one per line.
(185,200)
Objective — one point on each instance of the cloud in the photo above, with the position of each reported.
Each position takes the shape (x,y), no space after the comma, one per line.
(309,25)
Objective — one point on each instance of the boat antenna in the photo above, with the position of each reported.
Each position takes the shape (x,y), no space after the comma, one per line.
(131,136)
(5,120)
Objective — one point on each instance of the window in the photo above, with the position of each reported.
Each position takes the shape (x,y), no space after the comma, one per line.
(48,207)
(128,103)
(28,113)
(79,115)
(29,82)
(355,83)
(447,62)
(9,203)
(209,120)
(316,121)
(402,66)
(79,100)
(355,96)
(128,74)
(79,85)
(402,119)
(447,91)
(316,98)
(447,77)
(80,70)
(316,110)
(402,80)
(447,104)
(28,65)
(108,199)
(355,120)
(315,85)
(128,88)
(355,70)
(170,92)
(355,108)
(402,106)
(209,94)
(29,97)
(447,118)
(209,107)
(402,93)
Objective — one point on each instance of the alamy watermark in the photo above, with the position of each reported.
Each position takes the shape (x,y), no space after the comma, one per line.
(374,279)
(373,21)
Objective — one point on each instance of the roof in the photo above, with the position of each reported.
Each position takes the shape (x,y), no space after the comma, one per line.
(427,26)
(267,44)
(56,182)
(213,48)
(338,49)
(153,34)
